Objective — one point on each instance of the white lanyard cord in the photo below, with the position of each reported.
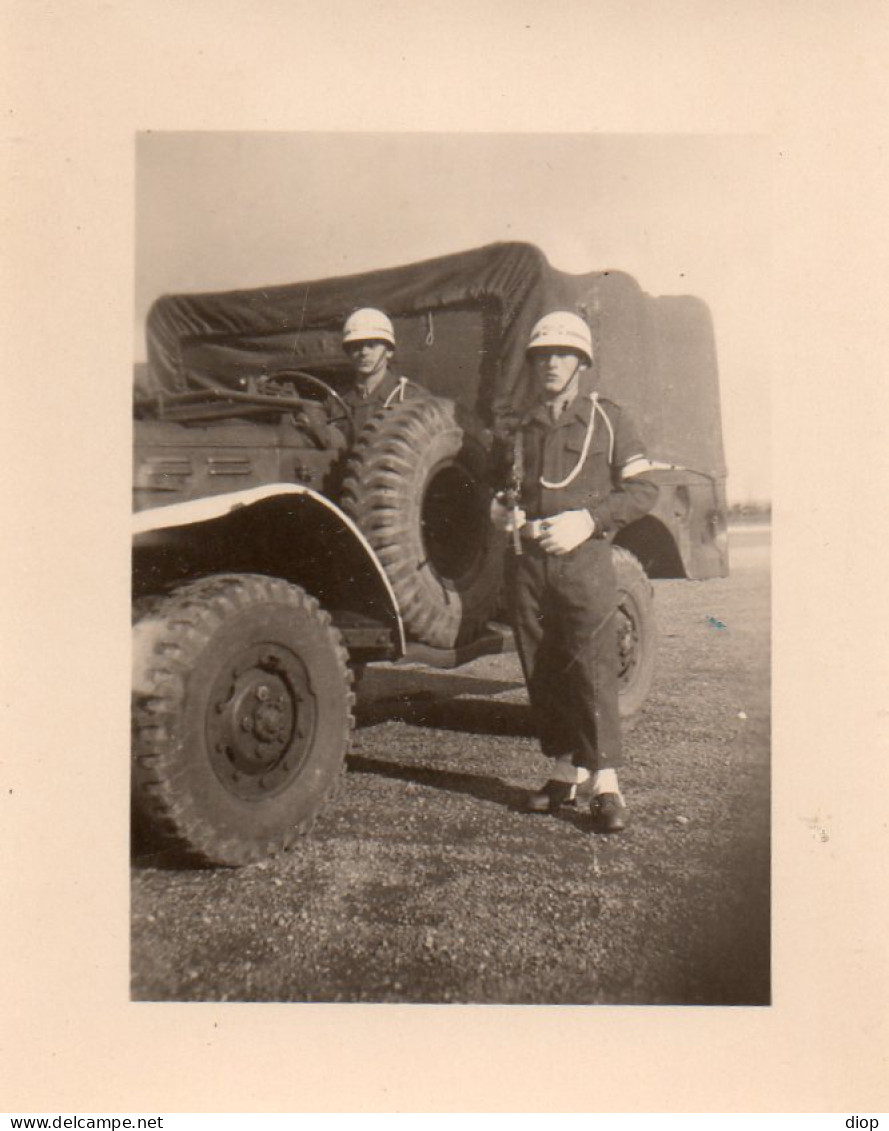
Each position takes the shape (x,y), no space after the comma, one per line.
(398,391)
(575,471)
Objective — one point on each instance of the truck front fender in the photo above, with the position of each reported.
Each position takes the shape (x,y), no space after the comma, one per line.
(284,530)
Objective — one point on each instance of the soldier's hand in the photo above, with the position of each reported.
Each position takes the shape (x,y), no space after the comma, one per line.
(507,518)
(564,532)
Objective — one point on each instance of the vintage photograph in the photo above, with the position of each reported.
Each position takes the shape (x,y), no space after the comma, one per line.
(451,569)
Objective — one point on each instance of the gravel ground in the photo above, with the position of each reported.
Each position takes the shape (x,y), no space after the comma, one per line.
(424,883)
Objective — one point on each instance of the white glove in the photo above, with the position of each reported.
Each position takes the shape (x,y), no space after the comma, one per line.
(564,532)
(507,518)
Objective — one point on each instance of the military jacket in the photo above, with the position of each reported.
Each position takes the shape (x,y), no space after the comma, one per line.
(391,390)
(609,480)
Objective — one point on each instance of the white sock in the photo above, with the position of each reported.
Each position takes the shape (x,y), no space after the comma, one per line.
(564,770)
(605,781)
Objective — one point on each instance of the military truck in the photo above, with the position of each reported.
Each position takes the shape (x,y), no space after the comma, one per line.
(277,552)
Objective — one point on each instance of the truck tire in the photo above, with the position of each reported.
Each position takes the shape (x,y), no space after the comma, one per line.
(637,634)
(242,712)
(415,485)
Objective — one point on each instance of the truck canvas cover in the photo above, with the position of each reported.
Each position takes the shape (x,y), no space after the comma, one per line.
(462,322)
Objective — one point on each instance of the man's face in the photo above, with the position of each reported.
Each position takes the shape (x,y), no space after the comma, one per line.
(555,368)
(368,358)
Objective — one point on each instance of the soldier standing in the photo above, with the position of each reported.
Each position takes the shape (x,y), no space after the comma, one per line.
(369,343)
(578,469)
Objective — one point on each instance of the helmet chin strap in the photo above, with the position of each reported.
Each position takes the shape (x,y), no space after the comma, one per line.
(379,369)
(570,389)
(372,379)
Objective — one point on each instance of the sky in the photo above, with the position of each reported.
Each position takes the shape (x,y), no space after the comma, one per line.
(683,214)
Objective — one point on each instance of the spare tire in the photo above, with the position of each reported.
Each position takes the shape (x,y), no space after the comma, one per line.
(416,486)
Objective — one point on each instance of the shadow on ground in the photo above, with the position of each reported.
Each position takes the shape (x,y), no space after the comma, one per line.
(480,786)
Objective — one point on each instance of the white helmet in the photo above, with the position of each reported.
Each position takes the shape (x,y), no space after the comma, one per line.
(368,325)
(562,328)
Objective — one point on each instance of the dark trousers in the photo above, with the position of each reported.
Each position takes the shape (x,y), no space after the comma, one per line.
(563,614)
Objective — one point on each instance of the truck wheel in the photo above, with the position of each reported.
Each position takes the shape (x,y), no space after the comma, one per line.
(637,633)
(415,485)
(242,714)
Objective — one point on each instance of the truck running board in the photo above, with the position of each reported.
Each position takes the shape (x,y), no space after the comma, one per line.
(494,640)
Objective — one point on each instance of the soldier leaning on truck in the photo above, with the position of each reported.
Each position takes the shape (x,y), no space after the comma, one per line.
(369,343)
(572,474)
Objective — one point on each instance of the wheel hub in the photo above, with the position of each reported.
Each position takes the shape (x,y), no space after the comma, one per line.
(260,720)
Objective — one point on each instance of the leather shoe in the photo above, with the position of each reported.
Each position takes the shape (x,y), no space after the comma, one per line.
(550,797)
(609,813)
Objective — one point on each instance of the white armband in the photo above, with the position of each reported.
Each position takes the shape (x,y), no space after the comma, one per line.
(635,465)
